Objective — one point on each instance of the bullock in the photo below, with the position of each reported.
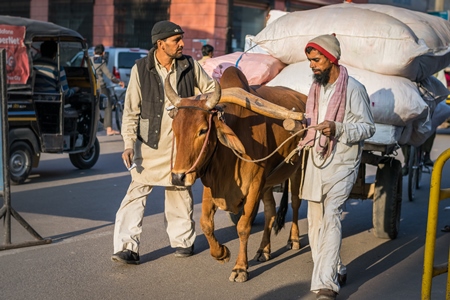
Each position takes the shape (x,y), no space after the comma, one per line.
(238,154)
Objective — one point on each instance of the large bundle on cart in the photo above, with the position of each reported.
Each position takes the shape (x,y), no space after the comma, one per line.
(379,38)
(394,52)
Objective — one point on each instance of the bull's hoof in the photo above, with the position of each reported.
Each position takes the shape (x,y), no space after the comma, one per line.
(238,275)
(225,257)
(262,256)
(293,245)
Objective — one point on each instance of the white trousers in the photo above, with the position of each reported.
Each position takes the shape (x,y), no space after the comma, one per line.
(178,211)
(325,236)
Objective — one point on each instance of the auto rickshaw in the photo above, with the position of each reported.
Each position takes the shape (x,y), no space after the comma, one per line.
(48,122)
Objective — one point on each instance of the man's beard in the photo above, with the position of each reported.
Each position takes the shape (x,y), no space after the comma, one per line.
(323,78)
(177,54)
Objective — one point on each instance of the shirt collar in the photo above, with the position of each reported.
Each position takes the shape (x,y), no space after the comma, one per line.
(160,67)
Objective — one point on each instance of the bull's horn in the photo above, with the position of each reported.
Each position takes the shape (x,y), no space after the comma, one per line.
(170,93)
(258,105)
(215,97)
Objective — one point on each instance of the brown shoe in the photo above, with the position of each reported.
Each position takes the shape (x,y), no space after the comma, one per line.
(326,294)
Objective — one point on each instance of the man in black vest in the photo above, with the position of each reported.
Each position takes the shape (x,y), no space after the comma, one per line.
(147,135)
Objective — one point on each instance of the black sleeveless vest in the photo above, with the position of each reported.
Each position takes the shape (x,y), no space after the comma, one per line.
(152,91)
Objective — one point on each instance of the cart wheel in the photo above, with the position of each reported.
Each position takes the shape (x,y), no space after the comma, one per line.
(235,217)
(415,166)
(387,200)
(20,162)
(86,160)
(419,172)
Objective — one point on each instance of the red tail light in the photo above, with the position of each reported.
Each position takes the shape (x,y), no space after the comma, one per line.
(116,73)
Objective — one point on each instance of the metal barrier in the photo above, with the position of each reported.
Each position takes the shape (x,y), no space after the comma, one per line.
(436,194)
(6,211)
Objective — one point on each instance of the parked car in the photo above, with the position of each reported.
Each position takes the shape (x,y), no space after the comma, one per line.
(121,60)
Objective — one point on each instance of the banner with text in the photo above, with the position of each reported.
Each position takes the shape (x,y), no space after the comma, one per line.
(17,66)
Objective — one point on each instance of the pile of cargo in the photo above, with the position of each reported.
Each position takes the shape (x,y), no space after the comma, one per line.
(393,51)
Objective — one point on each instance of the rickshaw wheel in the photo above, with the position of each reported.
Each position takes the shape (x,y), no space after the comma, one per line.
(20,162)
(88,159)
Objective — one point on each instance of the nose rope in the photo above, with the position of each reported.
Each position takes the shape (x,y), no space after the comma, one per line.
(203,147)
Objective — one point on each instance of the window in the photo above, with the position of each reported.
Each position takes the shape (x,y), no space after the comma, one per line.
(73,14)
(128,59)
(133,19)
(17,8)
(246,20)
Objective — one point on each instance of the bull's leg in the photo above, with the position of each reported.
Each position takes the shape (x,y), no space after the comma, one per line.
(244,226)
(263,253)
(218,251)
(294,237)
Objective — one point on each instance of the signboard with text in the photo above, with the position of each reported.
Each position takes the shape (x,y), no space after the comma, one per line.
(17,67)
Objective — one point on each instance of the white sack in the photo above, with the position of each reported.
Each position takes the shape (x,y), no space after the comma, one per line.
(385,134)
(433,92)
(274,14)
(370,40)
(422,129)
(251,47)
(393,100)
(434,31)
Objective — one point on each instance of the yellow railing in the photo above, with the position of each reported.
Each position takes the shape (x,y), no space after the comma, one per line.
(436,194)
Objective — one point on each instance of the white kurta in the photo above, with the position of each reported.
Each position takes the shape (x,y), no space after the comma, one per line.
(329,185)
(153,169)
(153,165)
(344,161)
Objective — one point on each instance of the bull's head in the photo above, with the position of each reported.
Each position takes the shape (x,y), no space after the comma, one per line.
(197,127)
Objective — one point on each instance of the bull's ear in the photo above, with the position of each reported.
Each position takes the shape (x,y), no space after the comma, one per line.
(227,137)
(172,110)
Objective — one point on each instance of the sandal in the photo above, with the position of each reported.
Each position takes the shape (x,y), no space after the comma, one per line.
(446,228)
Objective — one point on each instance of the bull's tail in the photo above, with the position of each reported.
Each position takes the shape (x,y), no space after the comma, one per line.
(282,210)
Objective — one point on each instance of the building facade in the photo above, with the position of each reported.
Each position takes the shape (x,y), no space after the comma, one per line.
(220,23)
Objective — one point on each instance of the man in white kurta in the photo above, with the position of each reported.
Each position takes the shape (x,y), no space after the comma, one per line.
(153,159)
(331,171)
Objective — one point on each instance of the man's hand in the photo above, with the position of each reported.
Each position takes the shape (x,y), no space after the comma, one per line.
(328,128)
(122,84)
(127,157)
